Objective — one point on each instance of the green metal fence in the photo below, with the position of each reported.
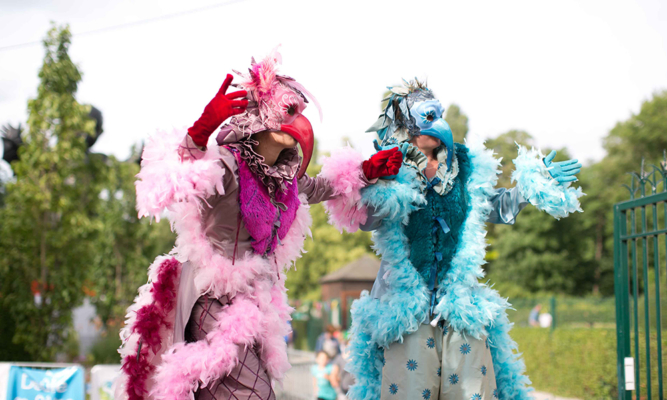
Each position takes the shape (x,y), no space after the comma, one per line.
(640,254)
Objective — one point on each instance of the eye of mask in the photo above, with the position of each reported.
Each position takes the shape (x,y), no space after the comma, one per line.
(426,112)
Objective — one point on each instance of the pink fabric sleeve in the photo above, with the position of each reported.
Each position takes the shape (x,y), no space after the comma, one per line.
(343,172)
(189,151)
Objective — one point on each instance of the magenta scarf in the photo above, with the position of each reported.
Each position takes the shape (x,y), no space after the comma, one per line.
(266,223)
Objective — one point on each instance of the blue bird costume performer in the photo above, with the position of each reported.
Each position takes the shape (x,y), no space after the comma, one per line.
(429,329)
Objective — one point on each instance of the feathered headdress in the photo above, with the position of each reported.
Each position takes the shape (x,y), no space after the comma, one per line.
(397,123)
(274,100)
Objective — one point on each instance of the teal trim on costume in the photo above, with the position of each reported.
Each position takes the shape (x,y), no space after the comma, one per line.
(405,307)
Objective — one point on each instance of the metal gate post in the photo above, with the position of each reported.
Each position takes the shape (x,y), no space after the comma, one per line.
(622,301)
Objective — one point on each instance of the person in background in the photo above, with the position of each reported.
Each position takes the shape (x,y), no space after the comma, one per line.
(321,372)
(332,348)
(545,320)
(326,336)
(338,334)
(344,340)
(533,318)
(341,379)
(291,336)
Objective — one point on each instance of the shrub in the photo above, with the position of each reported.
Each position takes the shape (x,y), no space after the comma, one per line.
(576,362)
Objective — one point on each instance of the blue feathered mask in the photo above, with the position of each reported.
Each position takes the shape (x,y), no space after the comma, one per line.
(413,110)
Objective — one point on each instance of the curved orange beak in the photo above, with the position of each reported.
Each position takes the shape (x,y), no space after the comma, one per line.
(302,131)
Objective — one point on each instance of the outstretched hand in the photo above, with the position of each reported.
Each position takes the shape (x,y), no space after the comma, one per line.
(383,163)
(402,147)
(564,171)
(217,111)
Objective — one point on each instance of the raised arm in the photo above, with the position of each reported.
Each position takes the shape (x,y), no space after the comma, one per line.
(546,184)
(553,195)
(177,167)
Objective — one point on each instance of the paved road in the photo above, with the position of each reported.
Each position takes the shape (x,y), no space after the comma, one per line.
(298,383)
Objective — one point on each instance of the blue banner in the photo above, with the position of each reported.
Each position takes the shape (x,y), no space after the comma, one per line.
(45,384)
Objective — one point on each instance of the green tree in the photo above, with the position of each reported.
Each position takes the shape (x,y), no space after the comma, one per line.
(47,232)
(458,122)
(642,136)
(538,253)
(126,245)
(575,255)
(504,147)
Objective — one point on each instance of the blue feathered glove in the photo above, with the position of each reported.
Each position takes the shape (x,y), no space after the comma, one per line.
(402,147)
(564,171)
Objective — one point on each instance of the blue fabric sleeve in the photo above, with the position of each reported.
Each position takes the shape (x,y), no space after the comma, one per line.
(379,286)
(506,205)
(373,220)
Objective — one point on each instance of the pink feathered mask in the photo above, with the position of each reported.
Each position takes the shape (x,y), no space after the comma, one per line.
(276,103)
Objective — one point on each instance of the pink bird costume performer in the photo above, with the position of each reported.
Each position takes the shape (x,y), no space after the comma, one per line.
(210,323)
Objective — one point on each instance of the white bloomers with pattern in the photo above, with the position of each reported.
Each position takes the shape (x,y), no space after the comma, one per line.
(436,363)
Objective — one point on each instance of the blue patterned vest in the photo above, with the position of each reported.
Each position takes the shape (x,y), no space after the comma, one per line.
(434,230)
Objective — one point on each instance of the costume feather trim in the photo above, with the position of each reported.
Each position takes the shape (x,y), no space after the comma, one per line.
(467,305)
(343,171)
(540,189)
(165,180)
(510,370)
(218,274)
(148,329)
(259,317)
(405,307)
(187,366)
(463,302)
(258,314)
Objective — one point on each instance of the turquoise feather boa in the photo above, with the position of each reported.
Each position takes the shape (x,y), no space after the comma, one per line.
(401,311)
(536,185)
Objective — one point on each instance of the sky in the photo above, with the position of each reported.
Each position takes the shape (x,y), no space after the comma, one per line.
(565,71)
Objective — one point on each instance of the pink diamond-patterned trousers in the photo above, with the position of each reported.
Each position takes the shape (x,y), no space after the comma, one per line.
(248,380)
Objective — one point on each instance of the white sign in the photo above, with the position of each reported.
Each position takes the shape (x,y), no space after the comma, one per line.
(101,381)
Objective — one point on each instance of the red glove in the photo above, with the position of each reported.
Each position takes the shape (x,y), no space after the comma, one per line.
(217,111)
(383,163)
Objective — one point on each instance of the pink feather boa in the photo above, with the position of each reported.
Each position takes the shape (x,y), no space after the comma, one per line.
(343,170)
(258,312)
(258,318)
(165,180)
(148,328)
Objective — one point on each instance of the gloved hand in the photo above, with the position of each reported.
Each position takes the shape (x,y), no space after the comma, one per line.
(217,111)
(403,147)
(564,171)
(383,163)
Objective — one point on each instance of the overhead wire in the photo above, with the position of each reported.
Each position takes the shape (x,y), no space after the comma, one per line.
(131,24)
